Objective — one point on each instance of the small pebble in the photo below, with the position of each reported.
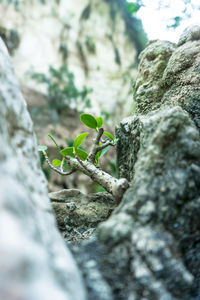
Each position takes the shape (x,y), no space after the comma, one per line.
(71,206)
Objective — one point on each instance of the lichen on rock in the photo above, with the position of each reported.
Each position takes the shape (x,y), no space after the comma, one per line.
(31,248)
(151,240)
(75,210)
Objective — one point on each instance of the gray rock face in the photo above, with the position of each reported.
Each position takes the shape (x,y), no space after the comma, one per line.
(34,262)
(160,148)
(163,201)
(149,247)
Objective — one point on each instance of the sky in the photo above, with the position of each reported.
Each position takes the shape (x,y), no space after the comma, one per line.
(155,20)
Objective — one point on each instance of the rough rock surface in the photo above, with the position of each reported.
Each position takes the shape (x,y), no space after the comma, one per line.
(149,247)
(34,262)
(98,40)
(78,214)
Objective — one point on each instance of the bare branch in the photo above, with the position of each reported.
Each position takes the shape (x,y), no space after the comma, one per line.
(80,161)
(111,184)
(68,173)
(115,186)
(95,145)
(61,172)
(101,147)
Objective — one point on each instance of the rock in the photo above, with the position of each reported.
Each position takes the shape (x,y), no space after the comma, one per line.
(34,262)
(98,40)
(77,211)
(149,247)
(149,88)
(89,256)
(191,33)
(163,206)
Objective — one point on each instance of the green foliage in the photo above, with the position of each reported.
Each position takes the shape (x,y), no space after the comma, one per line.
(89,121)
(62,90)
(103,152)
(97,157)
(109,135)
(75,150)
(81,153)
(56,162)
(71,151)
(67,151)
(133,7)
(52,138)
(99,122)
(80,138)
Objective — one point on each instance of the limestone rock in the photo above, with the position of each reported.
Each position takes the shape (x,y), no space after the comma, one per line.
(191,33)
(75,209)
(177,83)
(34,262)
(149,247)
(148,90)
(96,39)
(160,148)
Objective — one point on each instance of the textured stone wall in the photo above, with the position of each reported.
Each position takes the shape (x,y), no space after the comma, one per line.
(34,262)
(89,36)
(149,247)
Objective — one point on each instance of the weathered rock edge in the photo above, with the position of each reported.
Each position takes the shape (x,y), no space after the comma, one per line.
(149,248)
(34,262)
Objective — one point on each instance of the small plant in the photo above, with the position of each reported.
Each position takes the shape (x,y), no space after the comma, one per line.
(61,89)
(77,159)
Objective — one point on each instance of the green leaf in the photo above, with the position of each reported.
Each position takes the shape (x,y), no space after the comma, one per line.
(88,120)
(99,122)
(42,148)
(109,135)
(103,152)
(81,154)
(67,151)
(133,7)
(78,141)
(52,138)
(97,156)
(56,162)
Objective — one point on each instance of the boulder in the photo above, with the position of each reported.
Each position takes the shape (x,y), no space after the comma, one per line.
(149,247)
(34,262)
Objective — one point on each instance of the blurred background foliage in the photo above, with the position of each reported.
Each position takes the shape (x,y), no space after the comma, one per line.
(185,10)
(62,91)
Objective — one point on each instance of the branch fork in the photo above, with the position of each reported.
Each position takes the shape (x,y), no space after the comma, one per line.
(115,186)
